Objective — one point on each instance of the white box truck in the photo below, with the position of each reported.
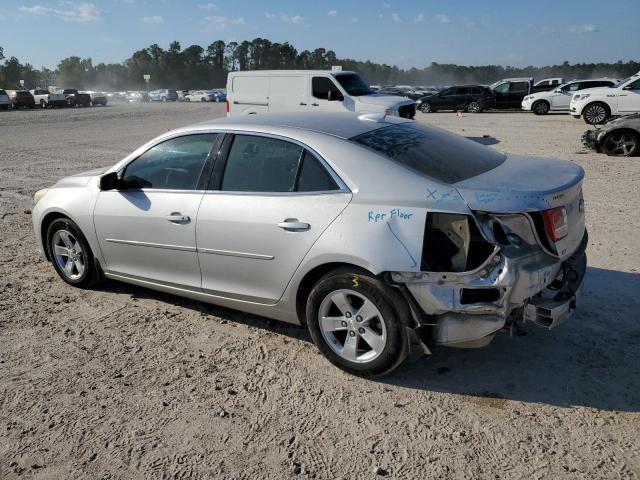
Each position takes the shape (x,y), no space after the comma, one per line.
(261,91)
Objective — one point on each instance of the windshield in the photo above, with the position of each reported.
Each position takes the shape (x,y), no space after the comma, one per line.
(432,152)
(353,84)
(622,82)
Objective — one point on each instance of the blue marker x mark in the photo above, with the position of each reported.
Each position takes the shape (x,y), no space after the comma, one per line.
(431,193)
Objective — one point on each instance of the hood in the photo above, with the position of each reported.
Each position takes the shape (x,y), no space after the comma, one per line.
(79,179)
(522,184)
(384,100)
(632,121)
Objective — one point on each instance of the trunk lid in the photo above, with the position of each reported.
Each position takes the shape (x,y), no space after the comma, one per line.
(531,184)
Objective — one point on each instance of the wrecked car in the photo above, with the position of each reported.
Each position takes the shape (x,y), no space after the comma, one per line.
(383,236)
(619,137)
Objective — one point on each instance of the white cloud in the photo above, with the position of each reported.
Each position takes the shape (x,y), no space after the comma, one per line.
(217,23)
(283,17)
(67,11)
(332,13)
(396,18)
(419,18)
(208,6)
(442,18)
(153,20)
(354,20)
(584,28)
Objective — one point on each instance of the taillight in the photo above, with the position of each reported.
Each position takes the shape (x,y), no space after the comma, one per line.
(227,102)
(556,223)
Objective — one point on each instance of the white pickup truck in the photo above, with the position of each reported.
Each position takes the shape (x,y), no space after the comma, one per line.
(596,105)
(45,99)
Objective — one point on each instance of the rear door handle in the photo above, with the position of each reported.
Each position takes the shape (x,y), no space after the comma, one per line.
(177,217)
(303,104)
(293,225)
(315,104)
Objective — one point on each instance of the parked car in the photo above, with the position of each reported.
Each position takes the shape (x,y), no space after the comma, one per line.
(164,95)
(309,90)
(182,95)
(619,137)
(21,98)
(542,103)
(220,94)
(462,241)
(547,84)
(599,104)
(511,91)
(134,97)
(45,99)
(200,96)
(5,101)
(75,98)
(98,98)
(404,91)
(468,98)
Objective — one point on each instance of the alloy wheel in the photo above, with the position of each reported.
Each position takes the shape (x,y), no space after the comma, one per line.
(621,144)
(595,114)
(473,107)
(352,326)
(68,254)
(542,108)
(425,107)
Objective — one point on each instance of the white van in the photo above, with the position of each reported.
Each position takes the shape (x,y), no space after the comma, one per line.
(261,91)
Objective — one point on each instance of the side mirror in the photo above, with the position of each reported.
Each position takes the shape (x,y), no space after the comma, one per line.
(111,181)
(557,90)
(334,95)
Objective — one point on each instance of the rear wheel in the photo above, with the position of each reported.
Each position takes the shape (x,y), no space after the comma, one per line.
(541,108)
(596,113)
(43,104)
(474,107)
(622,143)
(355,320)
(70,254)
(164,99)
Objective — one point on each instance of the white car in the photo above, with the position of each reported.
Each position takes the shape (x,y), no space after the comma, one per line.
(558,99)
(200,96)
(596,105)
(265,91)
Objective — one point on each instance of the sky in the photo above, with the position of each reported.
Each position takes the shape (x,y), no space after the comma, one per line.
(397,32)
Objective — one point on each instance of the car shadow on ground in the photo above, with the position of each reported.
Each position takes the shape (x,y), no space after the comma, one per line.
(592,360)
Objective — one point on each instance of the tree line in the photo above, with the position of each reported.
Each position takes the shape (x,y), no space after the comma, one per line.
(196,67)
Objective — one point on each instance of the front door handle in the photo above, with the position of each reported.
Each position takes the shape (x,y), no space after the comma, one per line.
(302,104)
(293,225)
(177,217)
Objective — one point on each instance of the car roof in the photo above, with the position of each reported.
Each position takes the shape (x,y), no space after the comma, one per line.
(343,125)
(289,72)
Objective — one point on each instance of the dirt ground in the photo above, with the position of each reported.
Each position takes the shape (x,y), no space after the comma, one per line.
(125,383)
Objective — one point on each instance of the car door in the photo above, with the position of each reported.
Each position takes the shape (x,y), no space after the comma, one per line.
(270,200)
(560,99)
(148,230)
(517,91)
(462,98)
(502,95)
(288,93)
(325,95)
(446,99)
(629,98)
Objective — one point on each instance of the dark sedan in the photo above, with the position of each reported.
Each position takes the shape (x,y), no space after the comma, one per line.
(21,98)
(468,98)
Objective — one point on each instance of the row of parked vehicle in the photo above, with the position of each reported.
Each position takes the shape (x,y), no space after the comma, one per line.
(38,97)
(171,95)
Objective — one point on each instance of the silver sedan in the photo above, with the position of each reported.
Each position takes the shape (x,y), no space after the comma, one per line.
(382,236)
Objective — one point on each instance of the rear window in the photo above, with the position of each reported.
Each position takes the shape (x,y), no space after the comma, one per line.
(432,152)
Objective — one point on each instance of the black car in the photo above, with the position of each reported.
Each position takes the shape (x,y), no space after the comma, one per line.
(468,98)
(619,137)
(21,98)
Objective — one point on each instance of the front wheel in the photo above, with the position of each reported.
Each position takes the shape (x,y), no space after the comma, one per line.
(425,107)
(356,321)
(595,113)
(541,108)
(43,104)
(70,254)
(621,144)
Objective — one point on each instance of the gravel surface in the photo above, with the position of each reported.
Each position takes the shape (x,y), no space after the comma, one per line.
(122,382)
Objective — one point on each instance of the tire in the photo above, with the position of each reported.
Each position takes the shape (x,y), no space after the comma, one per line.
(541,107)
(43,104)
(164,99)
(621,143)
(596,113)
(425,107)
(474,107)
(374,346)
(66,246)
(203,99)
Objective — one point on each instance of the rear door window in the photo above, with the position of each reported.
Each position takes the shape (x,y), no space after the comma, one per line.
(314,177)
(462,91)
(519,87)
(432,152)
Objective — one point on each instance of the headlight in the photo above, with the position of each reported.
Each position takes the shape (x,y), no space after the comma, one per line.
(38,195)
(392,111)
